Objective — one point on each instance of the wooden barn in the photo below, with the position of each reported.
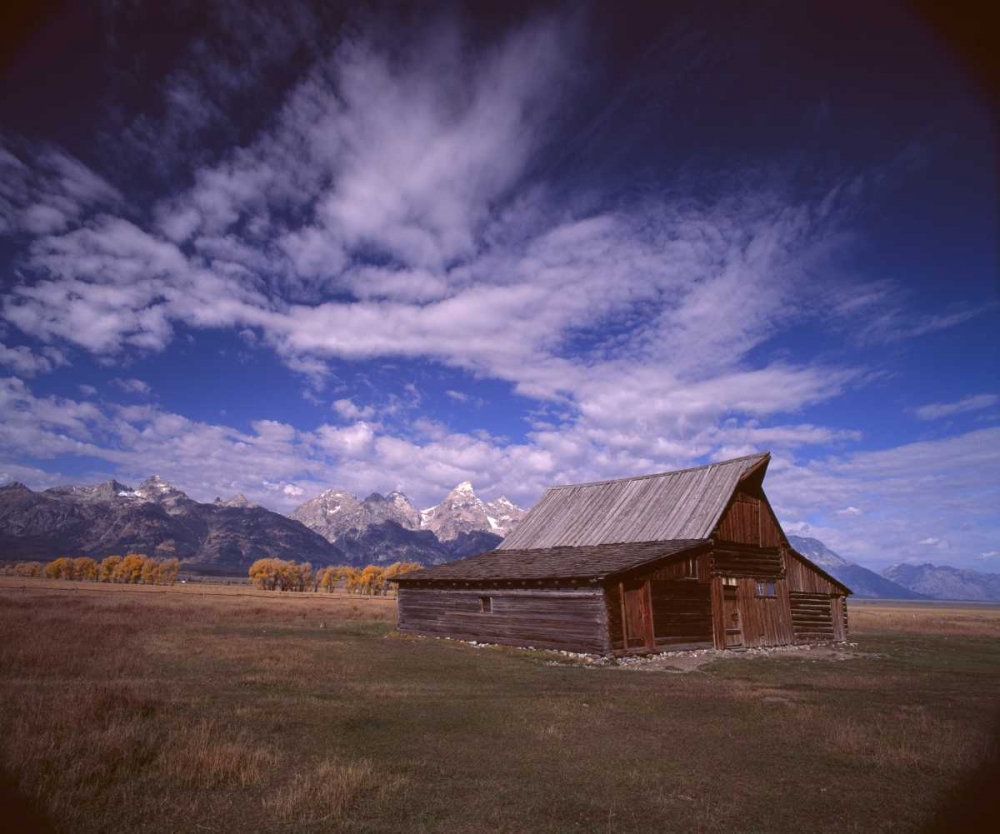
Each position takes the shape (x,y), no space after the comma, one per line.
(688,559)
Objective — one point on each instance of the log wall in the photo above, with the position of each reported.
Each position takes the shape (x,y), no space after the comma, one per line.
(737,560)
(551,619)
(812,617)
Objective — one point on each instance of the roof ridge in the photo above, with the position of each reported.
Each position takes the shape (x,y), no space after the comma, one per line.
(662,474)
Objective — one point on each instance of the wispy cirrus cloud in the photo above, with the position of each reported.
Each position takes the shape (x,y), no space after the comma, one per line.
(131,385)
(975,402)
(396,205)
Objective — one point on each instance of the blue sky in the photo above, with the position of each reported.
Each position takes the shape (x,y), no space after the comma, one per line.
(391,249)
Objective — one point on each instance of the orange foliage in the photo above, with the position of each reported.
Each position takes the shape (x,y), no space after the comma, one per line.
(135,568)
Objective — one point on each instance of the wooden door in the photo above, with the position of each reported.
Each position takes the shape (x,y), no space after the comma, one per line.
(731,618)
(637,616)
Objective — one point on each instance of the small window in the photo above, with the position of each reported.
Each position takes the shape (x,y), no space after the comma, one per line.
(486,605)
(766,589)
(729,580)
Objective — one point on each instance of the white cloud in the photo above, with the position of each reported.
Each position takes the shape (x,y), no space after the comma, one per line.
(350,411)
(27,363)
(976,402)
(293,491)
(132,386)
(385,210)
(911,493)
(49,192)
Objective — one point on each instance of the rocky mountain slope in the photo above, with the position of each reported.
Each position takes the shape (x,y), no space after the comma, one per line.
(864,582)
(390,528)
(238,500)
(462,511)
(941,582)
(335,514)
(154,518)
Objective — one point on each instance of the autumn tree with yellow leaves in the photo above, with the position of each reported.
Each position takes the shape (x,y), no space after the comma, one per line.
(281,575)
(133,569)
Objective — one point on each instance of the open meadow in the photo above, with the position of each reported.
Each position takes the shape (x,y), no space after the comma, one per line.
(222,708)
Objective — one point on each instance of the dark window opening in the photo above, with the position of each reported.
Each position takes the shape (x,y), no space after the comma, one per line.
(766,589)
(486,604)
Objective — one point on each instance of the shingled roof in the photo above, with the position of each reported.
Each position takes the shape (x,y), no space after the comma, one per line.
(667,507)
(587,562)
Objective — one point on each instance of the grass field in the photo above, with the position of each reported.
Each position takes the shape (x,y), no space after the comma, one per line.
(220,708)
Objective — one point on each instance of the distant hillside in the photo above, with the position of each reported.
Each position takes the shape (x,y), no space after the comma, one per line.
(941,582)
(864,582)
(155,518)
(227,536)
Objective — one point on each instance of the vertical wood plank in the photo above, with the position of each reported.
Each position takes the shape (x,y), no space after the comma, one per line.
(621,595)
(718,613)
(648,622)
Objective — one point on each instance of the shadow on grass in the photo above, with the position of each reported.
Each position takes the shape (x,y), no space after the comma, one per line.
(974,804)
(19,812)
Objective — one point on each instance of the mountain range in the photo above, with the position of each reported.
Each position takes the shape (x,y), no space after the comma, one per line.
(902,581)
(863,582)
(336,514)
(337,527)
(227,536)
(943,582)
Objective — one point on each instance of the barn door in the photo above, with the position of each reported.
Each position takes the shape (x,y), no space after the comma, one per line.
(731,617)
(638,616)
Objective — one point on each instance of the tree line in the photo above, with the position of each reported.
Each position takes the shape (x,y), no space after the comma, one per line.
(372,580)
(130,569)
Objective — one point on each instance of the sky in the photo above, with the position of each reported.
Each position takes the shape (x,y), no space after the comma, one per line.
(280,248)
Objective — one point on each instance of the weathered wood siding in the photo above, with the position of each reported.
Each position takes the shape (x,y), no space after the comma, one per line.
(679,598)
(803,579)
(718,612)
(552,619)
(613,614)
(813,616)
(839,614)
(749,520)
(741,521)
(766,621)
(682,613)
(770,530)
(737,560)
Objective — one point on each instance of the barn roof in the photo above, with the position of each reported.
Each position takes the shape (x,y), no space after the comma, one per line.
(666,507)
(587,562)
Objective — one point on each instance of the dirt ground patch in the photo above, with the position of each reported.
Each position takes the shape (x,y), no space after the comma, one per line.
(694,661)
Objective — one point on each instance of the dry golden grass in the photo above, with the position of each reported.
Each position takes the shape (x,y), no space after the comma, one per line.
(944,618)
(184,710)
(331,792)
